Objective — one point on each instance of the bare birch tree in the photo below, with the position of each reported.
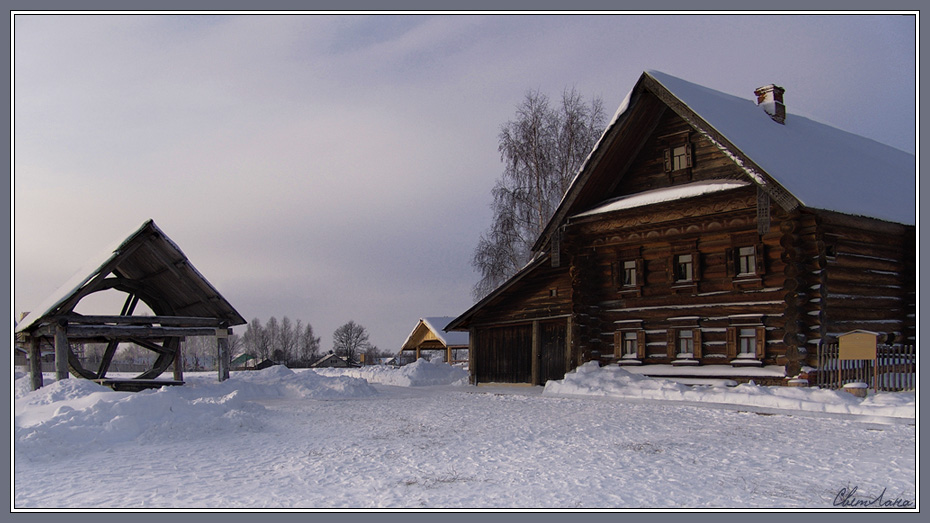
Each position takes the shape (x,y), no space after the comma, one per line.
(308,345)
(542,149)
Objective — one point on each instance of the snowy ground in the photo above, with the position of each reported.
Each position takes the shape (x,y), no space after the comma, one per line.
(420,437)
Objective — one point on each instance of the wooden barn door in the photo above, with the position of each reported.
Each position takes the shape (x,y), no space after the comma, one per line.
(504,354)
(551,357)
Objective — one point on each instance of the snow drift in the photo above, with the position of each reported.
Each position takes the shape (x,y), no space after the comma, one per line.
(418,374)
(77,415)
(592,380)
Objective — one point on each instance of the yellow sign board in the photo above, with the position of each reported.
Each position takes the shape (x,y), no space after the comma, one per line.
(858,345)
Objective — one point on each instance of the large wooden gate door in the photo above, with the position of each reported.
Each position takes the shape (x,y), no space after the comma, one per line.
(504,354)
(551,356)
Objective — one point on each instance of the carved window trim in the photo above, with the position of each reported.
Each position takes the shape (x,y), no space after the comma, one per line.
(684,256)
(736,336)
(626,339)
(620,269)
(743,279)
(689,335)
(684,330)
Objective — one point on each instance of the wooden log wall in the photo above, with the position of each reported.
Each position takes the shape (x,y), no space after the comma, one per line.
(869,276)
(715,303)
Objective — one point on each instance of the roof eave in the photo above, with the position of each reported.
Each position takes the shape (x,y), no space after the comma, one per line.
(603,145)
(457,322)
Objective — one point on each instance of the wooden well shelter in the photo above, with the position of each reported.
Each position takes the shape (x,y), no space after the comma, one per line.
(428,334)
(709,234)
(145,267)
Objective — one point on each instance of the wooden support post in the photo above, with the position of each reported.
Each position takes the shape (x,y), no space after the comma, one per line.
(222,354)
(534,356)
(179,361)
(472,359)
(61,351)
(35,363)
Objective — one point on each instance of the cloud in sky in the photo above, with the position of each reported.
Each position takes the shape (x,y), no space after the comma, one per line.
(330,168)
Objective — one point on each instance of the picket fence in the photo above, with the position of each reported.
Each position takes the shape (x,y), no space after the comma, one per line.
(896,371)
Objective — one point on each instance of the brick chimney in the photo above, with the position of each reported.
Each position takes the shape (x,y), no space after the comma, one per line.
(771,98)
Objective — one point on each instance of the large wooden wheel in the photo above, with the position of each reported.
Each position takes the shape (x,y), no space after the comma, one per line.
(166,348)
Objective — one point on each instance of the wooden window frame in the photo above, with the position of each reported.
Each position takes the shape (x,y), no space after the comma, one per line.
(733,343)
(618,272)
(690,284)
(674,336)
(746,279)
(620,337)
(672,142)
(746,261)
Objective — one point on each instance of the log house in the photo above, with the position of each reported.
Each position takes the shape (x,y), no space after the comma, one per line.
(705,230)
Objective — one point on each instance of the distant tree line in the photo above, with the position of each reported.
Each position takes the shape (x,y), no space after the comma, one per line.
(287,342)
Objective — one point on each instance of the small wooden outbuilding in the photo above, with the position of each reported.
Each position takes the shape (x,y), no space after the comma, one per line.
(331,360)
(428,335)
(147,267)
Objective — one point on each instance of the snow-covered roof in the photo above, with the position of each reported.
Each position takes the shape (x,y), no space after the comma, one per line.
(822,166)
(806,162)
(137,256)
(435,324)
(667,194)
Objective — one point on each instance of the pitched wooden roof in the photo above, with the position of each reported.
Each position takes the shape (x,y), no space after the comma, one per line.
(800,163)
(149,265)
(431,329)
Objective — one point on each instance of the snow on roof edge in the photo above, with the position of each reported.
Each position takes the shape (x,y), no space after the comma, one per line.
(80,278)
(664,194)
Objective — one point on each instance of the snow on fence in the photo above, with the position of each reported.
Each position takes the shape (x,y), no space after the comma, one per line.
(896,368)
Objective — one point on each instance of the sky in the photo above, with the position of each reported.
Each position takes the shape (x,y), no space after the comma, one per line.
(331,168)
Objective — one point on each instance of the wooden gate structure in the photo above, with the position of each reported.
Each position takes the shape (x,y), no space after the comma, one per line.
(146,267)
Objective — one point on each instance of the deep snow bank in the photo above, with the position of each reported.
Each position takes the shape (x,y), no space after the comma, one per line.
(418,374)
(614,381)
(75,415)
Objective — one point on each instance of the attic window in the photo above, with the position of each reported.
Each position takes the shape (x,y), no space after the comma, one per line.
(677,152)
(681,158)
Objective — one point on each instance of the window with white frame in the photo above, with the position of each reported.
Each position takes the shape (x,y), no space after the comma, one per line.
(746,261)
(685,343)
(629,273)
(630,341)
(747,343)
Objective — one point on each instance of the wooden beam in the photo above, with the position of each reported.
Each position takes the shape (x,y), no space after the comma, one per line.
(166,321)
(150,346)
(179,361)
(534,358)
(107,358)
(61,352)
(222,358)
(112,332)
(35,363)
